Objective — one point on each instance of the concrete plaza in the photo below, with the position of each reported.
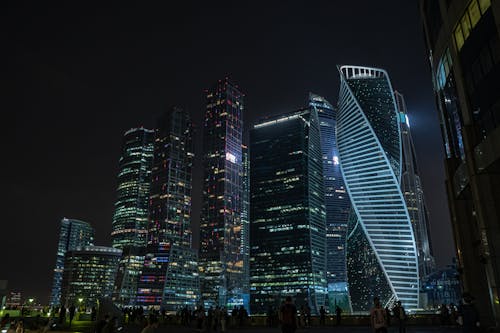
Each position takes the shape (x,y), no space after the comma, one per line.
(330,329)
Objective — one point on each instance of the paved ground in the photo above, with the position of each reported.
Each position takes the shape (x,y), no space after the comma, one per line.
(347,329)
(87,327)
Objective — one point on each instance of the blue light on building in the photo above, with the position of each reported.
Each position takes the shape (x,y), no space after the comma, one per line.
(382,258)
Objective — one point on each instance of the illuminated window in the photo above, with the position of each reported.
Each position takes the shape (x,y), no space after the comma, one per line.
(459,38)
(474,13)
(469,20)
(465,23)
(444,68)
(484,4)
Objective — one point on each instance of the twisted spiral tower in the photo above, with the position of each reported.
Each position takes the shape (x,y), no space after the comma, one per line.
(381,251)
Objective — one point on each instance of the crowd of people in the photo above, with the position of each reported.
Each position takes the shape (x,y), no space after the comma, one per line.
(218,319)
(464,315)
(213,319)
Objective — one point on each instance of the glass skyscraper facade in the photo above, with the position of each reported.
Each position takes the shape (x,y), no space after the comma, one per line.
(169,230)
(245,220)
(89,274)
(221,248)
(130,220)
(337,204)
(463,49)
(73,233)
(287,212)
(411,186)
(382,258)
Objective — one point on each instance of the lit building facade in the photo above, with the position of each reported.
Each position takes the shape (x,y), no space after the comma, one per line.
(337,204)
(130,220)
(463,43)
(245,218)
(73,233)
(89,274)
(14,300)
(381,259)
(442,287)
(221,248)
(169,231)
(287,212)
(411,186)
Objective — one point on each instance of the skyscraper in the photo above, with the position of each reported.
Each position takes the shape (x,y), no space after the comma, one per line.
(245,220)
(169,231)
(287,212)
(463,42)
(337,204)
(221,255)
(130,220)
(382,259)
(411,186)
(89,274)
(73,233)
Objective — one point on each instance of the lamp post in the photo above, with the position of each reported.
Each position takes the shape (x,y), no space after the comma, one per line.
(80,301)
(30,304)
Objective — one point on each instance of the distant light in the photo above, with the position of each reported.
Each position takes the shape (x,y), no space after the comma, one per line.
(335,160)
(230,157)
(407,120)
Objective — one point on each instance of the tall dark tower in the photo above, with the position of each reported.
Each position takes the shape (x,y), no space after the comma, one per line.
(411,186)
(245,218)
(287,212)
(463,44)
(170,278)
(130,220)
(73,234)
(221,252)
(337,205)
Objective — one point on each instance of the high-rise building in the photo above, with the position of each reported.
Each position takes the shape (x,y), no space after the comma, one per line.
(130,220)
(3,293)
(382,258)
(442,287)
(287,212)
(337,204)
(169,231)
(14,300)
(73,233)
(463,43)
(411,186)
(221,254)
(89,274)
(245,220)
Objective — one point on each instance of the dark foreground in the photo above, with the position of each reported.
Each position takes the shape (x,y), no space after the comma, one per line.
(88,327)
(259,329)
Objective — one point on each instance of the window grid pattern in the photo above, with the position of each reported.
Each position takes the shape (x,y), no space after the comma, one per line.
(372,174)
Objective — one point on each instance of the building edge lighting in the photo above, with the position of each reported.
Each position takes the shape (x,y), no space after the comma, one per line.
(377,234)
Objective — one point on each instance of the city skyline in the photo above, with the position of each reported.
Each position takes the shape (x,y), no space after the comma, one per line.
(97,172)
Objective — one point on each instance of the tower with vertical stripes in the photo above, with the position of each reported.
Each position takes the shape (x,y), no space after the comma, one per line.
(381,250)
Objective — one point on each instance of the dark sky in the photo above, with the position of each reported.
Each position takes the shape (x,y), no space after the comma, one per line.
(75,78)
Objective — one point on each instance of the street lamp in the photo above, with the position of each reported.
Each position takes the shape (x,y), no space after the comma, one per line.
(30,305)
(80,301)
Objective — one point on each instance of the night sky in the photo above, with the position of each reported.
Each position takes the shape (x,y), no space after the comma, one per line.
(75,78)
